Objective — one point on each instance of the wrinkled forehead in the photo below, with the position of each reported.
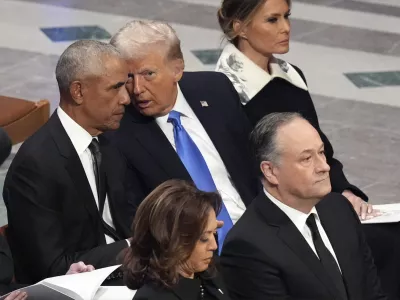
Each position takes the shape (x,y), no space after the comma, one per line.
(115,69)
(152,55)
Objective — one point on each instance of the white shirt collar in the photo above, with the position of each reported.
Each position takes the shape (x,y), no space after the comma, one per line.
(248,78)
(180,106)
(79,137)
(297,217)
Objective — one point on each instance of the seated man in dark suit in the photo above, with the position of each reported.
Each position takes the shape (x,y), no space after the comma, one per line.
(182,125)
(64,189)
(297,240)
(5,146)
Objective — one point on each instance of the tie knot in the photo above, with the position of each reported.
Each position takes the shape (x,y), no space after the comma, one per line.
(175,118)
(94,146)
(311,223)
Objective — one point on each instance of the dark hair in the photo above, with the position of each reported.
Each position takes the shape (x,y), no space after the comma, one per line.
(263,137)
(237,10)
(166,229)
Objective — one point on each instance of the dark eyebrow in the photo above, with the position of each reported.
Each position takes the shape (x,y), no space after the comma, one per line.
(117,85)
(278,14)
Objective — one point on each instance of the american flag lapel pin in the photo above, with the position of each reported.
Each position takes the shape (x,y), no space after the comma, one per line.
(204,103)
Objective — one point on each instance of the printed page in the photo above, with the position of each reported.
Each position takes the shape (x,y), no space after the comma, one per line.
(83,284)
(390,213)
(42,292)
(114,292)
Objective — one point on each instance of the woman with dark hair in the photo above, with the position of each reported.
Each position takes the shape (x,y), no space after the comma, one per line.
(173,244)
(256,30)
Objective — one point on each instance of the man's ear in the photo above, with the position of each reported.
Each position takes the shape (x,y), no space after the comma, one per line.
(270,171)
(76,91)
(177,65)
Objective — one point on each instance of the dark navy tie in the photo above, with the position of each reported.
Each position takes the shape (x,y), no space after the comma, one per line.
(197,167)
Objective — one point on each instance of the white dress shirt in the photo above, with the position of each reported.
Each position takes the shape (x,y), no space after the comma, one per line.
(81,140)
(299,220)
(219,173)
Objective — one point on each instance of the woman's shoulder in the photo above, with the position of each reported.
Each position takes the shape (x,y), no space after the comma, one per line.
(150,292)
(300,72)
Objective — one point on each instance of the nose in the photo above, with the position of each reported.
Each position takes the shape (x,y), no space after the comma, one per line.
(322,165)
(213,243)
(138,87)
(286,26)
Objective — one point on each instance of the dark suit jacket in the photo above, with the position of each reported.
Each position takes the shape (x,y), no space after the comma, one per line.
(5,145)
(152,159)
(186,289)
(53,217)
(266,257)
(6,266)
(281,96)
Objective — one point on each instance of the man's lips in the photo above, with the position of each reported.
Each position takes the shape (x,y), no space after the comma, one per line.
(143,103)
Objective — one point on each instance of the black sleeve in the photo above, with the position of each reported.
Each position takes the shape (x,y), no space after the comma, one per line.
(372,284)
(5,145)
(6,262)
(247,277)
(338,179)
(33,201)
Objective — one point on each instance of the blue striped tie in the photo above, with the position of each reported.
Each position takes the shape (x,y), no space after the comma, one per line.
(197,167)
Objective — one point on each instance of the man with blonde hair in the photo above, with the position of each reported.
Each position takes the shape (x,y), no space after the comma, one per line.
(181,125)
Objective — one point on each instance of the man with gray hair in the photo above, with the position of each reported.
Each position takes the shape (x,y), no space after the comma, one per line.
(63,191)
(289,244)
(182,125)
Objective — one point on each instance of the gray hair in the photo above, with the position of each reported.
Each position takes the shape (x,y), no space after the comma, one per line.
(263,137)
(82,59)
(135,38)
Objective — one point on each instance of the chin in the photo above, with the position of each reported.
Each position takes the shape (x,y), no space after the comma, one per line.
(325,189)
(282,50)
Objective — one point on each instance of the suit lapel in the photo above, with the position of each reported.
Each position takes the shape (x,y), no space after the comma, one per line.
(151,137)
(291,236)
(110,187)
(216,290)
(75,170)
(211,119)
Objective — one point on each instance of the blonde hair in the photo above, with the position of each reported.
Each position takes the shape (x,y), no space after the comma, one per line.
(136,37)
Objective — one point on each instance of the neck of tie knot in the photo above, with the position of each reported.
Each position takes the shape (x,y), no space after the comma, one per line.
(174,117)
(94,146)
(312,224)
